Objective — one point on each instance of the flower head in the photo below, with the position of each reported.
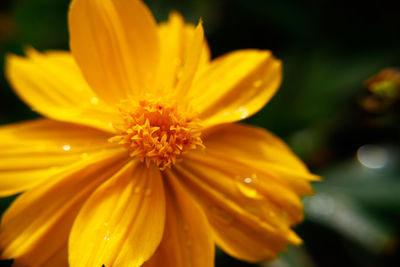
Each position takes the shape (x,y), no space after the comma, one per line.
(157,132)
(138,161)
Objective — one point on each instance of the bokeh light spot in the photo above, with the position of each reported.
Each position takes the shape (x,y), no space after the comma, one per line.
(372,156)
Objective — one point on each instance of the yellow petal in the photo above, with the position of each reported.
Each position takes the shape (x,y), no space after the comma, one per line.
(192,62)
(187,239)
(52,84)
(205,54)
(36,227)
(258,147)
(235,86)
(116,46)
(176,48)
(34,151)
(122,222)
(59,259)
(249,205)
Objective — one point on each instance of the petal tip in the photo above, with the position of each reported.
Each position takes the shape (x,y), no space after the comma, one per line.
(316,178)
(30,51)
(175,15)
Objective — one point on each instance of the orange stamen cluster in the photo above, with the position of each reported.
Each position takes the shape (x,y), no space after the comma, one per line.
(158,133)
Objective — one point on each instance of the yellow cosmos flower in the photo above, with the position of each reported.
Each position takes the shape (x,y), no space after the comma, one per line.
(138,162)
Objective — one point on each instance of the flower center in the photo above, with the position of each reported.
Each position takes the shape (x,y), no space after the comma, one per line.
(156,132)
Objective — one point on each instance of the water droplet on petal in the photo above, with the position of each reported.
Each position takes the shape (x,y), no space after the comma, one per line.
(221,215)
(179,73)
(94,100)
(107,236)
(147,192)
(137,190)
(66,147)
(272,214)
(247,186)
(257,83)
(243,112)
(247,180)
(177,61)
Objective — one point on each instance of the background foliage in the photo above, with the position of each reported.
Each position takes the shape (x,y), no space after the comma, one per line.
(328,49)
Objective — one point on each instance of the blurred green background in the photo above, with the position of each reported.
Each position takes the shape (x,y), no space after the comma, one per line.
(342,130)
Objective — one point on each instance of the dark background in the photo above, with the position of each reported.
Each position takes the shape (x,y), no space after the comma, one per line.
(328,49)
